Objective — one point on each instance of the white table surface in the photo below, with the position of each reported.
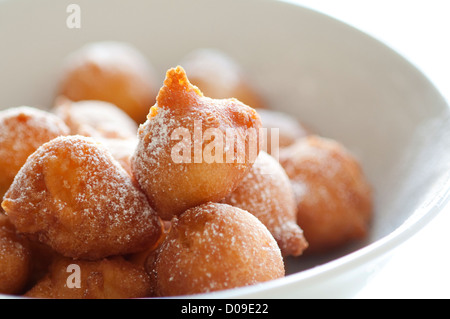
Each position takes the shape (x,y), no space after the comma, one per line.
(420,31)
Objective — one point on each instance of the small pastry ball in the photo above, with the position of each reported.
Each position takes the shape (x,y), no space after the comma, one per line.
(114,72)
(334,198)
(282,130)
(96,119)
(73,196)
(113,278)
(22,130)
(266,193)
(214,247)
(104,122)
(15,259)
(184,158)
(220,77)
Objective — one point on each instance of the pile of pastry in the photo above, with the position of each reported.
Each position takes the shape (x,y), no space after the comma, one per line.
(120,190)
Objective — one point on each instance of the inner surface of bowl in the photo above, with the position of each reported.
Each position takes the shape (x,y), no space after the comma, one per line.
(342,83)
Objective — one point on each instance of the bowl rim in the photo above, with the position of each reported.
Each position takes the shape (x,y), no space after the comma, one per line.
(381,247)
(353,260)
(418,219)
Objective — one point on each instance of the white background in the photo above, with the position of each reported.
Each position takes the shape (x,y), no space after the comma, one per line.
(420,31)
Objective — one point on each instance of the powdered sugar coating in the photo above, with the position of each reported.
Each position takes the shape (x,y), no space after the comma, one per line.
(110,54)
(172,186)
(22,130)
(72,195)
(266,193)
(116,72)
(213,247)
(334,198)
(96,119)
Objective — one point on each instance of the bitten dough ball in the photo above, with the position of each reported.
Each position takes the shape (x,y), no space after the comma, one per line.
(220,77)
(114,72)
(167,164)
(266,193)
(15,259)
(112,278)
(22,130)
(213,247)
(73,196)
(334,198)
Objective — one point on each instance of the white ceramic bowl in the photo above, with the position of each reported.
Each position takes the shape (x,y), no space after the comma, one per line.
(341,82)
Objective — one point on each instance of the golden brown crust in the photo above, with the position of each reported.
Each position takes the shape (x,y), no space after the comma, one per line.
(105,123)
(113,72)
(73,196)
(334,199)
(112,278)
(97,119)
(266,193)
(173,186)
(15,259)
(22,131)
(213,247)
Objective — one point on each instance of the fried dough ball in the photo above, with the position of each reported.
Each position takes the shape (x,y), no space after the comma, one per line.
(288,129)
(266,193)
(96,119)
(27,266)
(213,247)
(15,258)
(22,130)
(114,72)
(220,77)
(112,278)
(104,122)
(73,196)
(176,164)
(334,198)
